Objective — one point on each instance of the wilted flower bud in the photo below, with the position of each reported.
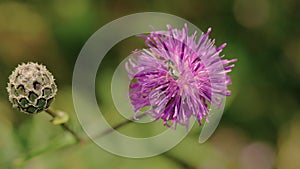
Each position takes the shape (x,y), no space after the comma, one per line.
(31,88)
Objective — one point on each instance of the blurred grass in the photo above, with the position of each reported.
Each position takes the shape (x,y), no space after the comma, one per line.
(263,109)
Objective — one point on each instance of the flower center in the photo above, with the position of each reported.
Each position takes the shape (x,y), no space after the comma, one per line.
(184,79)
(173,70)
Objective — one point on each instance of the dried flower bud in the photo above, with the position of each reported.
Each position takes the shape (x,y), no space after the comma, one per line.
(31,88)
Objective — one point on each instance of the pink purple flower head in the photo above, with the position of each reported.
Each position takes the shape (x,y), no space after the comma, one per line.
(178,76)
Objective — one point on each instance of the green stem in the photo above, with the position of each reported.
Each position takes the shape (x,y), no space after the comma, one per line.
(64,126)
(55,147)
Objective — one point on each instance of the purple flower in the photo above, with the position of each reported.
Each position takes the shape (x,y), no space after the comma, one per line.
(178,76)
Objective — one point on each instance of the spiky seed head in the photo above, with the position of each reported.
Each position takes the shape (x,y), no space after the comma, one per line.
(31,88)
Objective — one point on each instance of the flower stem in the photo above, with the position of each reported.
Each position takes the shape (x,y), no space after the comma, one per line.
(110,130)
(54,146)
(65,126)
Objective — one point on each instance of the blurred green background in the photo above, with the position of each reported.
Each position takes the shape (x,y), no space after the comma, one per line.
(260,128)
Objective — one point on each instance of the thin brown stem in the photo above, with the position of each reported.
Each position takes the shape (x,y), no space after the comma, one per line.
(110,130)
(65,126)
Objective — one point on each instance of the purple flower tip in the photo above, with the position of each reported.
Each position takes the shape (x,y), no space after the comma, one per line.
(177,76)
(222,47)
